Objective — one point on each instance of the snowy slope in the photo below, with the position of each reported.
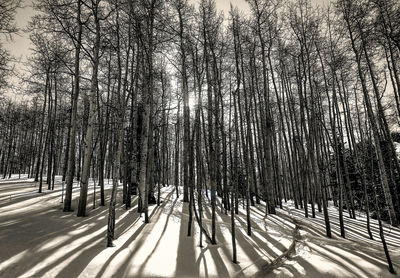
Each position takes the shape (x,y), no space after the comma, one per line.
(356,256)
(37,239)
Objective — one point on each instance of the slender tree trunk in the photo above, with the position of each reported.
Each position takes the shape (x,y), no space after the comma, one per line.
(90,126)
(74,109)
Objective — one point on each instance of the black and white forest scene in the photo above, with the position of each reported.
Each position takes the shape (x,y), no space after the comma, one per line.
(199,138)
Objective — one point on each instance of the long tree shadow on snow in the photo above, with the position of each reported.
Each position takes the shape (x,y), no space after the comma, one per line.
(344,257)
(48,230)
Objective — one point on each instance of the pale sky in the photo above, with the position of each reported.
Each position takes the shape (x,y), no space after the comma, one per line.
(19,46)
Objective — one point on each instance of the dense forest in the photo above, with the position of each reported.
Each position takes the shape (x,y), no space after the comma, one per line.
(288,102)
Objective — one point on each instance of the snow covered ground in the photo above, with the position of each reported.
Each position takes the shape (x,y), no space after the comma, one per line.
(37,239)
(356,256)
